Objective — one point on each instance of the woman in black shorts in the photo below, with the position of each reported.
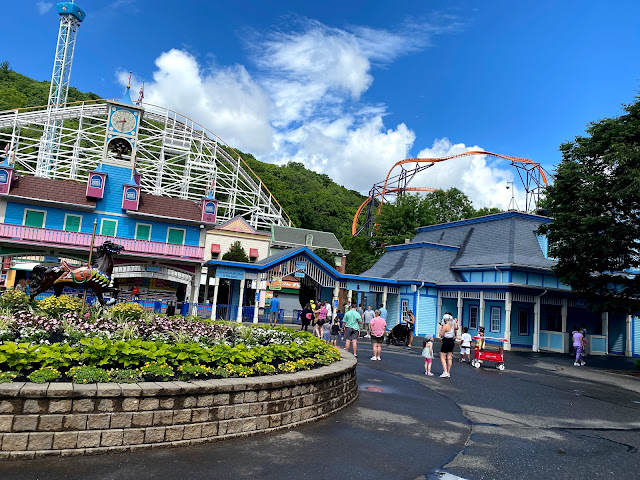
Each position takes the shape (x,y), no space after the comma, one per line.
(448,342)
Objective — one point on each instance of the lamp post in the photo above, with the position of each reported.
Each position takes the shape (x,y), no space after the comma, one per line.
(93,238)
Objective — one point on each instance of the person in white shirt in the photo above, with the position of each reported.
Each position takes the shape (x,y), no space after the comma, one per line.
(465,347)
(327,305)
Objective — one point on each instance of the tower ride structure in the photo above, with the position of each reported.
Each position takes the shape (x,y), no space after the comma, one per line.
(71,16)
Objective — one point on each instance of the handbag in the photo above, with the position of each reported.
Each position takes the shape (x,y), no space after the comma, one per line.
(426,353)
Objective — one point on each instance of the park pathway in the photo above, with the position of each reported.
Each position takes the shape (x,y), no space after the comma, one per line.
(540,418)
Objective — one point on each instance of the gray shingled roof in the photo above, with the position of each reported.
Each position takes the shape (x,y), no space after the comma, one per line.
(500,239)
(276,256)
(503,240)
(425,264)
(297,236)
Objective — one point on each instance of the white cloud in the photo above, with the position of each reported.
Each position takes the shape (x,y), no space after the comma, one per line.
(480,177)
(303,103)
(43,7)
(227,101)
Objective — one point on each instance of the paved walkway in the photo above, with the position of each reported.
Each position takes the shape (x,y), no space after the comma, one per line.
(539,418)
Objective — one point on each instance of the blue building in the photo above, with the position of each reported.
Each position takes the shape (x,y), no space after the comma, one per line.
(44,220)
(491,271)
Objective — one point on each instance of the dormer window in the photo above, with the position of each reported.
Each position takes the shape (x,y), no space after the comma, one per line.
(308,240)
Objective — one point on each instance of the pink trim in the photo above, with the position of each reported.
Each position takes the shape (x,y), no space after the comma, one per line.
(49,236)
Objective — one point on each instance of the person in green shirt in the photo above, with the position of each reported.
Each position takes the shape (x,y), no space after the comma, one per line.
(352,329)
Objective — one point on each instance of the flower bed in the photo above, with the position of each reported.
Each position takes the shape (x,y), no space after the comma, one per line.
(51,341)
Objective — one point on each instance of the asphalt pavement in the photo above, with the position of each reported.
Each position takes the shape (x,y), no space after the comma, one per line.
(540,418)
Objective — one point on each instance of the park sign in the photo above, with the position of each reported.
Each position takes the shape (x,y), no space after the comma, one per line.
(358,286)
(230,273)
(276,283)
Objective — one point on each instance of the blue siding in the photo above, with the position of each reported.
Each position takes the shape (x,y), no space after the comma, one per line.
(426,321)
(519,277)
(466,276)
(111,203)
(392,311)
(534,279)
(466,316)
(449,305)
(635,336)
(617,333)
(476,276)
(516,339)
(488,304)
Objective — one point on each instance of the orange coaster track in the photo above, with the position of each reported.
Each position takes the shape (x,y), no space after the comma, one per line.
(532,175)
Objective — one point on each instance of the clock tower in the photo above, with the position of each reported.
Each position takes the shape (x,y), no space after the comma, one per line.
(121,138)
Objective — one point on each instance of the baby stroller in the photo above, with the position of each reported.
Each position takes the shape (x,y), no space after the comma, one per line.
(399,335)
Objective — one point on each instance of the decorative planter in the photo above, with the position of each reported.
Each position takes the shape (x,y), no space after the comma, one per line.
(75,419)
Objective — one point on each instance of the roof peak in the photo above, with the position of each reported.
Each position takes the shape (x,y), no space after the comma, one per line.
(486,218)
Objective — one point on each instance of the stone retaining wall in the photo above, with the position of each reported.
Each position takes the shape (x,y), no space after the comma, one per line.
(74,419)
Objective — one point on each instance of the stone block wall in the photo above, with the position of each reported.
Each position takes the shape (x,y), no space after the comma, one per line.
(75,419)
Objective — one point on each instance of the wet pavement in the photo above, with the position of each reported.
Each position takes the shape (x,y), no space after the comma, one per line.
(539,418)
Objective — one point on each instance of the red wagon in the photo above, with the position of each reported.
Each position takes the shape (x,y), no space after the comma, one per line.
(480,354)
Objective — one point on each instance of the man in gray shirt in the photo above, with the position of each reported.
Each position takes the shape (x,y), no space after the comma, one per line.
(368,316)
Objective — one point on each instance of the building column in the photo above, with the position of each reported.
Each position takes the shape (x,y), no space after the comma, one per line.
(536,324)
(605,331)
(507,320)
(563,314)
(627,349)
(335,302)
(439,308)
(240,300)
(481,313)
(460,307)
(214,300)
(195,290)
(206,286)
(385,291)
(349,292)
(261,288)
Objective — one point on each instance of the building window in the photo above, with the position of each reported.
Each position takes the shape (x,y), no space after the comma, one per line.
(405,309)
(72,223)
(473,318)
(34,218)
(495,319)
(143,231)
(175,236)
(523,323)
(308,240)
(108,228)
(554,322)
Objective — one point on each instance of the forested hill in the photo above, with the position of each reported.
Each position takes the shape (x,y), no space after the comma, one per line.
(18,91)
(310,199)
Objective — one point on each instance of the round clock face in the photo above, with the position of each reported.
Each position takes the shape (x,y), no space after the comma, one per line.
(123,120)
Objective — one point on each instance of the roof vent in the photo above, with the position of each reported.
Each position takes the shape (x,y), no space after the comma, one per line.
(407,240)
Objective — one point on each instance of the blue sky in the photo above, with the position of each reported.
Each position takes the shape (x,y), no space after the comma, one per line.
(351,87)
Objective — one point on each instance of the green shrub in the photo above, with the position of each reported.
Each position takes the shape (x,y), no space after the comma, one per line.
(56,307)
(14,301)
(43,375)
(88,374)
(125,375)
(124,312)
(239,370)
(190,371)
(158,371)
(264,369)
(219,373)
(7,377)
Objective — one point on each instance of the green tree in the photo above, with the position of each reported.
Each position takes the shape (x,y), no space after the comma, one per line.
(236,253)
(12,98)
(326,255)
(594,203)
(364,252)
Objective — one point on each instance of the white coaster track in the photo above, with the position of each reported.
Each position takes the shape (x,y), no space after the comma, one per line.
(176,156)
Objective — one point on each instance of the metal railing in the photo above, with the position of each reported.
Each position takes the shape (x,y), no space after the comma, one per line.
(50,236)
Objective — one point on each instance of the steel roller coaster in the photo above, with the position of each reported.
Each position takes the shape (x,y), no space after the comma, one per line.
(533,177)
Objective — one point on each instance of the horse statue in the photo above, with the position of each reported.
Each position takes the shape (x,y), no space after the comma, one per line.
(96,276)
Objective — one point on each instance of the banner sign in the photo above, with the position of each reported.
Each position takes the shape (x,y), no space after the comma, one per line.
(276,283)
(358,286)
(230,273)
